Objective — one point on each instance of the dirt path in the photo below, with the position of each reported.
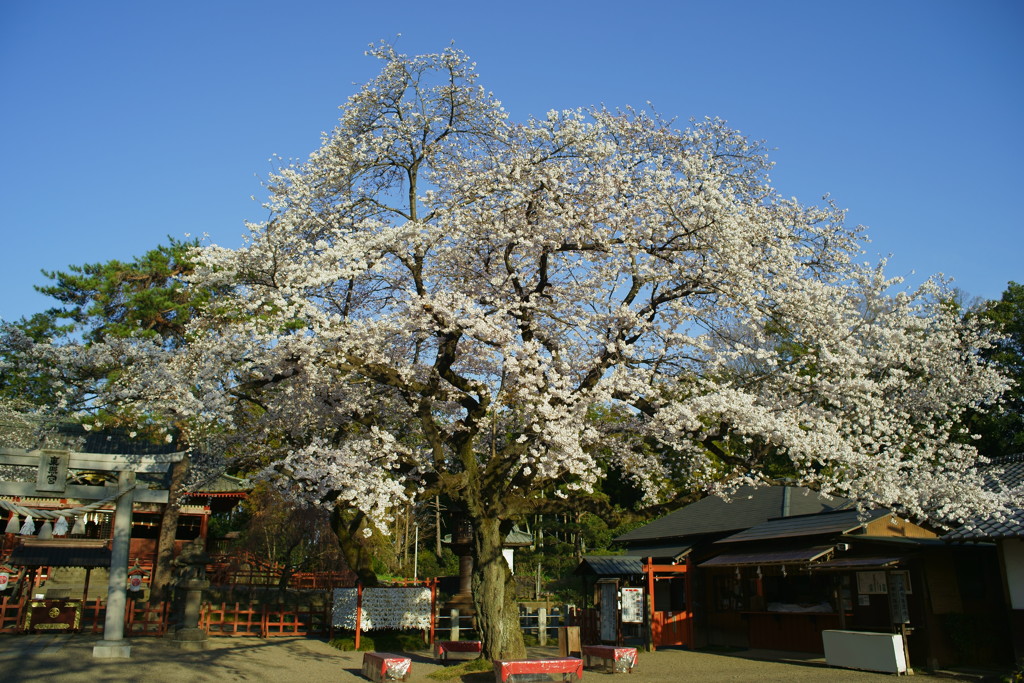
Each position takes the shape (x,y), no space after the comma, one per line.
(68,659)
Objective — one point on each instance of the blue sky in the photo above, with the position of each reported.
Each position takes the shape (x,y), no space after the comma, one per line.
(125,122)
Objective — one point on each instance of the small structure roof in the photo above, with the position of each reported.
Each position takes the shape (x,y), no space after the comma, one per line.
(766,557)
(61,553)
(517,538)
(747,507)
(841,563)
(842,522)
(222,485)
(611,565)
(672,553)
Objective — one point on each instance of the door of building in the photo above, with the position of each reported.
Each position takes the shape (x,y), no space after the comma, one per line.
(671,615)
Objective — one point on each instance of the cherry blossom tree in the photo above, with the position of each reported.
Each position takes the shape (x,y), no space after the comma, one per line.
(442,299)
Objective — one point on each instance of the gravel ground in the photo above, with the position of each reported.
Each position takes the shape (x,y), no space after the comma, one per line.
(68,659)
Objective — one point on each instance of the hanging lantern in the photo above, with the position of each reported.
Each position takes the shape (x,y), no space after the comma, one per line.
(79,528)
(5,578)
(783,571)
(759,571)
(29,527)
(13,524)
(135,576)
(46,531)
(61,527)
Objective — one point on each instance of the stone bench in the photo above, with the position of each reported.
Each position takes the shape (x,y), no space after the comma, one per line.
(442,648)
(512,670)
(618,659)
(384,666)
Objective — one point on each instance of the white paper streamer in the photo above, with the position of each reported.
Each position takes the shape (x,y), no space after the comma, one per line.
(343,614)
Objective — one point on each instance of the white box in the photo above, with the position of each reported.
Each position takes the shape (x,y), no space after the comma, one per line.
(865,651)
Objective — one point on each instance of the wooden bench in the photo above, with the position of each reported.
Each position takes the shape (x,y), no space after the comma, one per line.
(510,669)
(442,648)
(384,666)
(615,658)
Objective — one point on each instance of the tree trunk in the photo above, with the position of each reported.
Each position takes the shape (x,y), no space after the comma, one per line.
(348,527)
(162,569)
(494,595)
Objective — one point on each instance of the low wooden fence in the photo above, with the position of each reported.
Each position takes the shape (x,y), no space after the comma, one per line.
(263,621)
(141,618)
(270,620)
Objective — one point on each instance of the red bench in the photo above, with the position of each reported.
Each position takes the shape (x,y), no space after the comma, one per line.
(443,647)
(506,670)
(384,666)
(616,658)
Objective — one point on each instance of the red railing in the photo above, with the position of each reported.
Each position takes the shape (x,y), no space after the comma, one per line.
(295,622)
(264,621)
(146,619)
(10,614)
(231,621)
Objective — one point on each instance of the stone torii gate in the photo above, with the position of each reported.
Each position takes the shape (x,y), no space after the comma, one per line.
(51,482)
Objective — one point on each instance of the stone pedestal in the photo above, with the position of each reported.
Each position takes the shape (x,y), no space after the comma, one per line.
(190,586)
(188,635)
(111,649)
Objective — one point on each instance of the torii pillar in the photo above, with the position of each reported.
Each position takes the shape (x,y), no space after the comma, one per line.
(113,643)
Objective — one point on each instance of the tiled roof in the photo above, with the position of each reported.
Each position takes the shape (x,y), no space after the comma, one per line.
(1011,526)
(1006,473)
(221,484)
(75,437)
(748,507)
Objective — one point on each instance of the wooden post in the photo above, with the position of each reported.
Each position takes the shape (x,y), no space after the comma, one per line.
(649,600)
(359,612)
(433,609)
(689,603)
(453,624)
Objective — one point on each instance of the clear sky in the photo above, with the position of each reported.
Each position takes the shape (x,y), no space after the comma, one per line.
(125,122)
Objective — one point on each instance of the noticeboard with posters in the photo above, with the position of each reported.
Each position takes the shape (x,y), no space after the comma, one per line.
(632,605)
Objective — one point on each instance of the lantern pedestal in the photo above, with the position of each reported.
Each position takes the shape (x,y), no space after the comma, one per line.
(189,636)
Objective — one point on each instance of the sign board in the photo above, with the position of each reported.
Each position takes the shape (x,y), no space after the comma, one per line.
(53,615)
(53,470)
(632,605)
(871,583)
(898,609)
(609,611)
